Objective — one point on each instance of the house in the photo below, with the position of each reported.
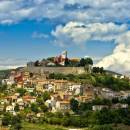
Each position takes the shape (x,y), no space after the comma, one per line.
(19,77)
(88,94)
(59,85)
(57,96)
(61,58)
(119,76)
(30,64)
(3,101)
(40,88)
(109,94)
(119,106)
(8,82)
(51,64)
(88,89)
(85,98)
(21,105)
(10,108)
(41,82)
(66,96)
(4,82)
(26,75)
(49,103)
(63,106)
(1,108)
(99,107)
(19,84)
(29,99)
(125,94)
(76,89)
(29,89)
(40,85)
(49,87)
(12,99)
(19,100)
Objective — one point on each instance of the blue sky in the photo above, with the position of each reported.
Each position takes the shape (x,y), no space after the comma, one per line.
(34,29)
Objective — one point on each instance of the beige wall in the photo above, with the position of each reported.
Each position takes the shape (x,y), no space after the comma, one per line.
(64,70)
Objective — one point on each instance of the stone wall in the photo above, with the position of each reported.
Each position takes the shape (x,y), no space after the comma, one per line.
(64,70)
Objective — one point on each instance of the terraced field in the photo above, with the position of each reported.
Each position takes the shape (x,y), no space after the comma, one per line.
(27,126)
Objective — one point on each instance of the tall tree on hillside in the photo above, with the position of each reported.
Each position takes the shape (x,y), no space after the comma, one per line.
(88,64)
(51,59)
(67,63)
(88,61)
(37,63)
(74,105)
(82,62)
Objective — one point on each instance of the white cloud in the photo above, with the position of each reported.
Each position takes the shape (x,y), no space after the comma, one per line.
(9,67)
(119,60)
(10,63)
(79,33)
(79,10)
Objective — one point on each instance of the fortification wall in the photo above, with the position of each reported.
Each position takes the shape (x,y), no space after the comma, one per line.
(64,70)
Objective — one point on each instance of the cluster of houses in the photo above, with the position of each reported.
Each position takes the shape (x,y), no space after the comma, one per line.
(62,91)
(114,106)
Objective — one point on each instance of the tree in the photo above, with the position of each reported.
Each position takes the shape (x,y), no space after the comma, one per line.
(70,77)
(51,59)
(82,62)
(102,127)
(66,121)
(40,100)
(59,114)
(34,108)
(21,91)
(6,120)
(75,121)
(16,108)
(67,63)
(98,70)
(44,108)
(115,100)
(31,75)
(37,63)
(46,96)
(101,70)
(52,76)
(88,61)
(3,88)
(74,104)
(16,123)
(128,100)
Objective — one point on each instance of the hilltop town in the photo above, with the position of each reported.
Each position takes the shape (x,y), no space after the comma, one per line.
(62,87)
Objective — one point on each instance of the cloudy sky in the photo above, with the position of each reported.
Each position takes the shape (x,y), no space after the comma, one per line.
(33,29)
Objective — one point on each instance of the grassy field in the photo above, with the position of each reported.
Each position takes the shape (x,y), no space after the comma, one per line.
(28,126)
(123,127)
